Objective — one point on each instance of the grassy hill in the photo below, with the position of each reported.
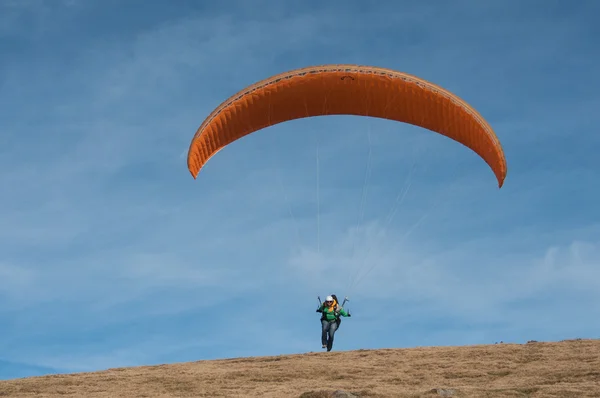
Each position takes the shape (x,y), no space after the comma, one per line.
(568,368)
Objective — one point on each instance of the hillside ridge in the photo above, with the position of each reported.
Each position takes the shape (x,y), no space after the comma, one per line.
(533,369)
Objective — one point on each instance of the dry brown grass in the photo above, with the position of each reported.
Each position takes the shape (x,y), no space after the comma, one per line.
(559,369)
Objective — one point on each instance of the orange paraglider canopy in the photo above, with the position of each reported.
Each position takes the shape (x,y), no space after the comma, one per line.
(346,90)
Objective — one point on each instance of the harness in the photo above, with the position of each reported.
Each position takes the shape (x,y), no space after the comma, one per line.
(336,313)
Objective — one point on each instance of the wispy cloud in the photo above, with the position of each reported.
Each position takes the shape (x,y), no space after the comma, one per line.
(112,255)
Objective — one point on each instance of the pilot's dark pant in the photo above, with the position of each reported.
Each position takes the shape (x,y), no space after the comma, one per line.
(328,329)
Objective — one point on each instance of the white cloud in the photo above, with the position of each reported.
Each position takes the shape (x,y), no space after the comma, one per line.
(470,279)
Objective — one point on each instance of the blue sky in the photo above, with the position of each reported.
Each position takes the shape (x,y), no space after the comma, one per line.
(112,255)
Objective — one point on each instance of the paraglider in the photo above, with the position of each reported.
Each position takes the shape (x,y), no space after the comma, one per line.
(345,90)
(330,311)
